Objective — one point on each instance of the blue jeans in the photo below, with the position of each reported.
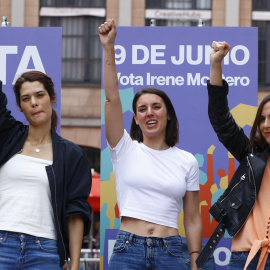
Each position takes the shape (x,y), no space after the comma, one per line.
(238,261)
(132,252)
(25,252)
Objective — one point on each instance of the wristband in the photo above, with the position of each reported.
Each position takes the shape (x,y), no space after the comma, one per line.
(193,252)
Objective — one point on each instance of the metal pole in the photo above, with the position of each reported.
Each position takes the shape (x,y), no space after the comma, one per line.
(93,260)
(152,22)
(200,23)
(5,23)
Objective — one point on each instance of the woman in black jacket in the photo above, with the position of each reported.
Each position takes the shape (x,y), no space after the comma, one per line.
(250,244)
(45,181)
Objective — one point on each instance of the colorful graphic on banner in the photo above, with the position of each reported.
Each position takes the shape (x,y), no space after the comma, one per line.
(30,48)
(177,60)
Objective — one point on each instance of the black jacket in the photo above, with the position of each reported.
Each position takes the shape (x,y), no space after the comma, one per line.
(233,137)
(69,176)
(234,206)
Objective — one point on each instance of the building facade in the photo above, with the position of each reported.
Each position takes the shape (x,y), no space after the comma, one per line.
(81,51)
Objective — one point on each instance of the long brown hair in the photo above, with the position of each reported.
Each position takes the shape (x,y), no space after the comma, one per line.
(172,128)
(33,76)
(255,134)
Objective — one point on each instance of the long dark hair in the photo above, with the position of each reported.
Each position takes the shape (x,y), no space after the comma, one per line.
(255,134)
(33,76)
(172,128)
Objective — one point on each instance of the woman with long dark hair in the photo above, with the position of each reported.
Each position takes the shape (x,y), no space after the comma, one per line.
(45,181)
(152,176)
(250,245)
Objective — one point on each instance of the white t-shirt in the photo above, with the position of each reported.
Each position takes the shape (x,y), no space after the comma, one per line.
(150,184)
(25,197)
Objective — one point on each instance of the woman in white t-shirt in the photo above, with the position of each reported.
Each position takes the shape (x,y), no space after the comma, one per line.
(152,176)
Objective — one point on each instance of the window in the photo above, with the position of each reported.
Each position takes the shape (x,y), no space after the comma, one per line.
(174,4)
(73,3)
(81,50)
(204,4)
(264,41)
(261,5)
(178,4)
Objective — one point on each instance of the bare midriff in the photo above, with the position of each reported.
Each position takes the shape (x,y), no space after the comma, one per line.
(145,228)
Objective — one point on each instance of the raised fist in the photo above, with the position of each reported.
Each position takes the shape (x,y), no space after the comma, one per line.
(219,51)
(107,33)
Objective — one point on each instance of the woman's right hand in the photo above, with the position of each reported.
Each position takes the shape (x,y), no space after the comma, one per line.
(107,33)
(219,51)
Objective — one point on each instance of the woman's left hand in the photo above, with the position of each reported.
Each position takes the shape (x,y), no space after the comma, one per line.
(75,229)
(193,225)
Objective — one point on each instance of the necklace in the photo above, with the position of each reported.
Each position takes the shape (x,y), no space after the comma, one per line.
(37,148)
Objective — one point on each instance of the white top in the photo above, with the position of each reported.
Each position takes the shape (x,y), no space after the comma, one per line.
(25,197)
(150,184)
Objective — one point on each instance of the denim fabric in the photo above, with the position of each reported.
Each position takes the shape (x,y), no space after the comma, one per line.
(238,261)
(133,252)
(25,252)
(209,265)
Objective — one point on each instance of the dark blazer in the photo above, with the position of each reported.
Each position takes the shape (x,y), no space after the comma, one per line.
(69,176)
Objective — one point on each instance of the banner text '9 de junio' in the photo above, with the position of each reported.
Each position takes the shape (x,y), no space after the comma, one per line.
(186,54)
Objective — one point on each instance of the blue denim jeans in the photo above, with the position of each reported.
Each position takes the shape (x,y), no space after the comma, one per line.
(25,252)
(132,252)
(238,261)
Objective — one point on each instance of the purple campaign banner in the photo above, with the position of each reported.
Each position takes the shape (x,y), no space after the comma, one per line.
(30,48)
(177,60)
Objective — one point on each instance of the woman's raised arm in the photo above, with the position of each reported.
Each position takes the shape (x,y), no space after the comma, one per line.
(7,122)
(227,130)
(114,125)
(219,51)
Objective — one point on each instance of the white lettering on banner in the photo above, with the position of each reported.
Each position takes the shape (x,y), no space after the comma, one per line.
(232,81)
(146,54)
(29,52)
(235,81)
(164,80)
(197,79)
(191,79)
(199,57)
(4,50)
(227,256)
(131,79)
(233,55)
(155,54)
(207,52)
(141,55)
(120,57)
(181,56)
(145,51)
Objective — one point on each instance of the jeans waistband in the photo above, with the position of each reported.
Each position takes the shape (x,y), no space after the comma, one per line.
(17,235)
(149,240)
(246,252)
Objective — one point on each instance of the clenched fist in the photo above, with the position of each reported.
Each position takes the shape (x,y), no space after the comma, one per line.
(107,33)
(219,51)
